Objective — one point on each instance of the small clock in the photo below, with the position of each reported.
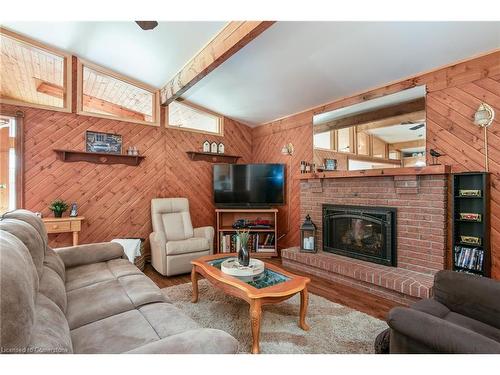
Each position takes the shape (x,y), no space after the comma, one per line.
(221,148)
(206,146)
(213,147)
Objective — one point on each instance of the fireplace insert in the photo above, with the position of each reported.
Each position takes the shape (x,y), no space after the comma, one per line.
(366,233)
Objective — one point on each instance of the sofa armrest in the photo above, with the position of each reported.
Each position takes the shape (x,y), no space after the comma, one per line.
(469,295)
(208,233)
(196,341)
(92,253)
(437,334)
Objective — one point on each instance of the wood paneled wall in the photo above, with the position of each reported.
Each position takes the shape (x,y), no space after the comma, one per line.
(454,93)
(115,199)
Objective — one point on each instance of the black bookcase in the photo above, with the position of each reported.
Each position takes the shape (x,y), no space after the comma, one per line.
(471,223)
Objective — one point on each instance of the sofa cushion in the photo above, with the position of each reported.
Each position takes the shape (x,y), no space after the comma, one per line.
(54,262)
(82,276)
(196,341)
(29,237)
(109,298)
(116,334)
(122,267)
(96,301)
(177,226)
(18,287)
(50,332)
(141,290)
(190,245)
(52,287)
(177,322)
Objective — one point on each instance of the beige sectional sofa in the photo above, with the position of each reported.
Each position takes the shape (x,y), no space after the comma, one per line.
(86,299)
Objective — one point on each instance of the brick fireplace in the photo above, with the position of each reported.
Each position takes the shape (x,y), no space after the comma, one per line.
(418,200)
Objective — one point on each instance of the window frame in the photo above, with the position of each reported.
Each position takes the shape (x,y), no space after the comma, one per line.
(81,63)
(67,73)
(197,108)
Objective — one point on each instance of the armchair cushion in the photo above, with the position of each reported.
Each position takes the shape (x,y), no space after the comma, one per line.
(88,254)
(472,296)
(436,334)
(190,245)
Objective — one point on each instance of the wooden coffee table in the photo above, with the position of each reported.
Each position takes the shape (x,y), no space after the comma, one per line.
(277,285)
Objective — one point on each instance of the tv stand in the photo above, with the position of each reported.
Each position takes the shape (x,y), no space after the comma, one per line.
(259,248)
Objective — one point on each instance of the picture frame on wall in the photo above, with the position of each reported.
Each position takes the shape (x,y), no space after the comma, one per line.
(106,143)
(330,164)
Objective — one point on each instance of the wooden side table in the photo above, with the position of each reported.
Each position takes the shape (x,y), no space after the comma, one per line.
(64,225)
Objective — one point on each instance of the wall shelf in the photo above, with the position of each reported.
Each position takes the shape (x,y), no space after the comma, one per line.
(212,157)
(98,157)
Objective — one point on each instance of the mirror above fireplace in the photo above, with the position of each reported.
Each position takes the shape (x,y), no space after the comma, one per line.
(386,132)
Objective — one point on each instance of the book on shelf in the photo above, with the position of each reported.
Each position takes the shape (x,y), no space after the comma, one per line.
(230,243)
(471,258)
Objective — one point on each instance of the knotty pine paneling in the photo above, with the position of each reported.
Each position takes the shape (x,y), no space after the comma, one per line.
(115,199)
(454,94)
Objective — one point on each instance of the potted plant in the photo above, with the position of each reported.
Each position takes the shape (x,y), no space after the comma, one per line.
(243,253)
(58,207)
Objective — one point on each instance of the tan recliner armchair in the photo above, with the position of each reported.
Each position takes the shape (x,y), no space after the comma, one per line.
(174,242)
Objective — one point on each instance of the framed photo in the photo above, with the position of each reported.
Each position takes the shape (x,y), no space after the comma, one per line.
(330,164)
(103,142)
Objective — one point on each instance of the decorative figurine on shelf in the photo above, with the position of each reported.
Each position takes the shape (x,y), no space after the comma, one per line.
(58,207)
(435,156)
(74,210)
(130,151)
(221,148)
(214,147)
(243,254)
(206,146)
(308,236)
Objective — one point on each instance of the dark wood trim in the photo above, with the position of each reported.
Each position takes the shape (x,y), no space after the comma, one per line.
(408,171)
(98,157)
(212,158)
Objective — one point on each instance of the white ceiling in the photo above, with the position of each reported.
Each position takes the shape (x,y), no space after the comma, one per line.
(398,133)
(291,67)
(294,66)
(152,56)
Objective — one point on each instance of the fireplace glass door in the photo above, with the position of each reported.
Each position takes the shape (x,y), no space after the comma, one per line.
(364,233)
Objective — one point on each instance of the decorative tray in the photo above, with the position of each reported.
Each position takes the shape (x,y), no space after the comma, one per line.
(231,267)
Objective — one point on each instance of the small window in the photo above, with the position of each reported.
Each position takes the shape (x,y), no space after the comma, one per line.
(102,93)
(32,74)
(323,140)
(190,117)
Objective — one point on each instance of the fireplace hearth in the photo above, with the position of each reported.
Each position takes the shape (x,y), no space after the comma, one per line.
(366,233)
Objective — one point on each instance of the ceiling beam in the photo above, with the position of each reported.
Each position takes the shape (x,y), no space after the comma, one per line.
(97,104)
(386,116)
(408,144)
(232,38)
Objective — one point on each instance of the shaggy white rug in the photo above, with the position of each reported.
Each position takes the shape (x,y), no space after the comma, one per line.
(333,328)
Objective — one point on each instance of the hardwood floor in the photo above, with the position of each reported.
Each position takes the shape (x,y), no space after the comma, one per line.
(342,294)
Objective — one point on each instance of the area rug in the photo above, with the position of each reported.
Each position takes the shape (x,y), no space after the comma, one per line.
(334,328)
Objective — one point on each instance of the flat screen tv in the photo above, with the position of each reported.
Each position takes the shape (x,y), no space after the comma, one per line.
(249,185)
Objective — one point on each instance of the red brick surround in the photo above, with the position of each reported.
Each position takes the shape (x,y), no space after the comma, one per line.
(421,203)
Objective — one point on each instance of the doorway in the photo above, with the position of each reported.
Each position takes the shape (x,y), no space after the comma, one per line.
(11,166)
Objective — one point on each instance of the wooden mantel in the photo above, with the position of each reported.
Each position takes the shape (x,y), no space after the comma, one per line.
(408,171)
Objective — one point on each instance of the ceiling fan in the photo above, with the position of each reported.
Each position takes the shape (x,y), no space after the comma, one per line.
(147,25)
(416,127)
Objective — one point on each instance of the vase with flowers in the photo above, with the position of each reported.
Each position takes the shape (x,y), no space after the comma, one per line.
(58,207)
(243,254)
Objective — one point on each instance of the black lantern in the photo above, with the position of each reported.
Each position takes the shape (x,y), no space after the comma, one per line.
(308,236)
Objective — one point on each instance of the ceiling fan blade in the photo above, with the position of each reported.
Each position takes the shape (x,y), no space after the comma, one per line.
(147,25)
(416,127)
